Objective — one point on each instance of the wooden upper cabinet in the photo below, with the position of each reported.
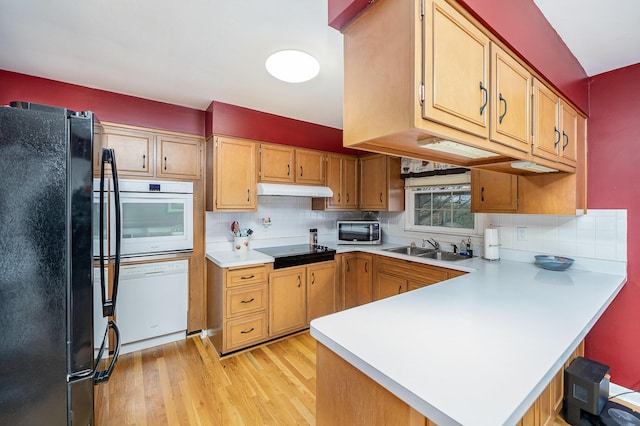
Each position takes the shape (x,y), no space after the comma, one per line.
(234,175)
(134,150)
(342,178)
(555,127)
(286,164)
(493,192)
(381,188)
(309,167)
(510,101)
(456,71)
(277,163)
(178,157)
(546,126)
(568,145)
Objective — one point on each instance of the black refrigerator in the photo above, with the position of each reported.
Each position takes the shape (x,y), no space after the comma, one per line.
(48,367)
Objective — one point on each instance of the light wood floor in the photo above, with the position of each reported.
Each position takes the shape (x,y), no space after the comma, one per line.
(184,383)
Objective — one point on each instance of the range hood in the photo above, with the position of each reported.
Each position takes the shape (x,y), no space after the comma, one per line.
(294,190)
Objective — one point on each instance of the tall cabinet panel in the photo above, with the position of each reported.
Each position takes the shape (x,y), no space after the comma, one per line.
(234,175)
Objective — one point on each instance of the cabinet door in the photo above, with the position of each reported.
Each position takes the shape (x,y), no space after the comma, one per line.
(373,179)
(133,149)
(386,285)
(235,174)
(493,192)
(510,101)
(276,163)
(287,297)
(568,144)
(349,281)
(321,284)
(178,157)
(334,181)
(364,275)
(350,182)
(546,129)
(309,167)
(457,70)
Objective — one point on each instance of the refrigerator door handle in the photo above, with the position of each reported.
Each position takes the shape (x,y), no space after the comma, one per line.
(108,305)
(102,376)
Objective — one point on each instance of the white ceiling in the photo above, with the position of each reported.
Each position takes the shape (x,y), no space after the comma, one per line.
(190,53)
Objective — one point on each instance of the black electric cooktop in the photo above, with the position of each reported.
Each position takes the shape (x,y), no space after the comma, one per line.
(299,254)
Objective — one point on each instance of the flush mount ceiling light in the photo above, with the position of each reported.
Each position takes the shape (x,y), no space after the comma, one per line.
(292,66)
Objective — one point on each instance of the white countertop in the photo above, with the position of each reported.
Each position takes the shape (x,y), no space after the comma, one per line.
(229,259)
(477,349)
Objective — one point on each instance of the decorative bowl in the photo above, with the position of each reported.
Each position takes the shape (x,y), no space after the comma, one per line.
(554,263)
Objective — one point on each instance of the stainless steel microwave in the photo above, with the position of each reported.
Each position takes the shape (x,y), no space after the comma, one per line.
(359,232)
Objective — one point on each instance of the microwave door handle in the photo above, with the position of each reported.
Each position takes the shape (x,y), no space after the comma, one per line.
(371,232)
(102,376)
(108,305)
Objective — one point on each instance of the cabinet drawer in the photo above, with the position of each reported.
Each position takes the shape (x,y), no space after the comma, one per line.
(244,276)
(245,331)
(246,300)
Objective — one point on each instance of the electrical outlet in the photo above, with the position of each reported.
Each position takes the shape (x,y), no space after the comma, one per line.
(522,234)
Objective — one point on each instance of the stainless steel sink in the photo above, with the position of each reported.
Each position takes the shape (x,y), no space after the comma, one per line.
(446,256)
(411,251)
(425,252)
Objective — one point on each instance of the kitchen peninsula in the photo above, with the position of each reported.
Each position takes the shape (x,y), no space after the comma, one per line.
(478,349)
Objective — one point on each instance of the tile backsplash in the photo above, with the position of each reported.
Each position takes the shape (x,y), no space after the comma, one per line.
(600,234)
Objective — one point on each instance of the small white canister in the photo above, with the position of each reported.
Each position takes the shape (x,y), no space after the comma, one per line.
(491,244)
(241,244)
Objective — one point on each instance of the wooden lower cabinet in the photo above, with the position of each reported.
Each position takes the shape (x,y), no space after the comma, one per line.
(300,294)
(287,296)
(394,276)
(346,396)
(237,306)
(354,283)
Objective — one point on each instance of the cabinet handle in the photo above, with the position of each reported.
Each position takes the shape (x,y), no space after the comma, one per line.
(248,301)
(347,197)
(165,163)
(144,161)
(485,97)
(566,138)
(482,194)
(400,289)
(505,108)
(348,266)
(381,197)
(248,194)
(555,129)
(338,197)
(366,267)
(288,169)
(247,277)
(300,171)
(299,281)
(248,331)
(313,278)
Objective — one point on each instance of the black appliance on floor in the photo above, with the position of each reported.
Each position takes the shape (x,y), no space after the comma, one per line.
(47,364)
(586,400)
(299,254)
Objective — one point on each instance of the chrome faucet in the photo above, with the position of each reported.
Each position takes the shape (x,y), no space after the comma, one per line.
(433,243)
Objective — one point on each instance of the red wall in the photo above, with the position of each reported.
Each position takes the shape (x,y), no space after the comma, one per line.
(108,106)
(613,182)
(521,25)
(231,120)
